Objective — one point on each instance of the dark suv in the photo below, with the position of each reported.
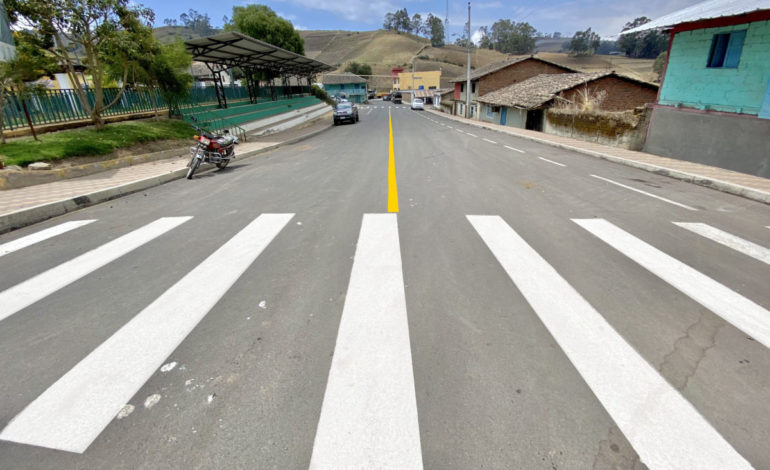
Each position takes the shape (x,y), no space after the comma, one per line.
(397,97)
(345,111)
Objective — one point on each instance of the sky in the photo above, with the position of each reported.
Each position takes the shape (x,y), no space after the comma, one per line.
(606,17)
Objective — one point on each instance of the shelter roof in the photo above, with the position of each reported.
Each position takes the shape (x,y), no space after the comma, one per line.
(341,78)
(710,9)
(539,90)
(495,66)
(234,49)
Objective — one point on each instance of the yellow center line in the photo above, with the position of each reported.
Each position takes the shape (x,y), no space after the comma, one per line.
(392,187)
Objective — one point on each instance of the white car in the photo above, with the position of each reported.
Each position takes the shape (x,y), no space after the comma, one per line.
(417,104)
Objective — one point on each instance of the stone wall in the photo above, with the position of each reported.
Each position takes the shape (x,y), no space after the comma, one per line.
(626,129)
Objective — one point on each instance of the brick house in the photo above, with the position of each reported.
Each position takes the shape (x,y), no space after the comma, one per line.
(523,104)
(714,101)
(500,74)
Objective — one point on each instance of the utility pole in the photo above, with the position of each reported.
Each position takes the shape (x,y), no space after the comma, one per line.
(468,77)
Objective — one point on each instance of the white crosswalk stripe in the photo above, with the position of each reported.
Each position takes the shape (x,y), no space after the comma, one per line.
(369,413)
(734,308)
(662,426)
(729,240)
(74,410)
(30,291)
(42,235)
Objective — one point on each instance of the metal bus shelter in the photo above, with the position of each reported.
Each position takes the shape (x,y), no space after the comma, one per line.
(255,58)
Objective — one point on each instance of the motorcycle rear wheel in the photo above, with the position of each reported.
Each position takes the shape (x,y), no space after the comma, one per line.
(222,164)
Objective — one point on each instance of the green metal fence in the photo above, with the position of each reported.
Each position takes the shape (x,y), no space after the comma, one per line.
(55,106)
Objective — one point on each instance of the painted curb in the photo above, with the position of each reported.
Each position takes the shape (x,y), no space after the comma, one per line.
(32,215)
(712,183)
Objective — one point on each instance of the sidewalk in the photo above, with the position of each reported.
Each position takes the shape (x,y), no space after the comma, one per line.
(32,204)
(748,186)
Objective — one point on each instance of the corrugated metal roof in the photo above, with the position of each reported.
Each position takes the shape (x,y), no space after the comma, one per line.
(704,11)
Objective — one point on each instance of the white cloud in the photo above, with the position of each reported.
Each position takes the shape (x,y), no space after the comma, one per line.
(360,11)
(476,36)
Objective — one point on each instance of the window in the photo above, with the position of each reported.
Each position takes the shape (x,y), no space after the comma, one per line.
(726,49)
(473,88)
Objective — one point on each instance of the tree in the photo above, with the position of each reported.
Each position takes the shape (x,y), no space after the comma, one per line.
(390,22)
(486,41)
(198,22)
(556,35)
(416,24)
(401,21)
(606,47)
(169,22)
(104,31)
(31,61)
(436,30)
(584,43)
(261,22)
(513,38)
(359,69)
(645,44)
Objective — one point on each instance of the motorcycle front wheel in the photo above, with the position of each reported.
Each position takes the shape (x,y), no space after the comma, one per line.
(194,164)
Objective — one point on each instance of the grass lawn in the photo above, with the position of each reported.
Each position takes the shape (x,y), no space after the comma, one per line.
(90,142)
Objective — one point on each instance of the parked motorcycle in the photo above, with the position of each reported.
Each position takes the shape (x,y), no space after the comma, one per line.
(217,149)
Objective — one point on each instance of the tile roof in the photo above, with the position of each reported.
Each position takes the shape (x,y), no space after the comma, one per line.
(341,78)
(541,89)
(704,11)
(495,66)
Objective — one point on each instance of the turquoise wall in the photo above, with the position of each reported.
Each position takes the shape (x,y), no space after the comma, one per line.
(356,92)
(690,83)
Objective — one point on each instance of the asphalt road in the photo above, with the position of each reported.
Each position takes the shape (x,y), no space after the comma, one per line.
(527,308)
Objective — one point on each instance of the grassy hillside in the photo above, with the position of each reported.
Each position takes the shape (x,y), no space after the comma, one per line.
(383,50)
(169,34)
(636,68)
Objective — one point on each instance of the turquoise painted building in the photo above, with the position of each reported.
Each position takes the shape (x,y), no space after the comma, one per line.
(714,102)
(346,85)
(721,68)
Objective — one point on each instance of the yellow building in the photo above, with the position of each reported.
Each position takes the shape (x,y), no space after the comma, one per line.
(413,81)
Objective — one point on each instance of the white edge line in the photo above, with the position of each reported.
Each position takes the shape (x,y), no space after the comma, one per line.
(660,198)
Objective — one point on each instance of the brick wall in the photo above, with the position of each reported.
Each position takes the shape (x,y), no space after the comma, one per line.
(621,94)
(515,73)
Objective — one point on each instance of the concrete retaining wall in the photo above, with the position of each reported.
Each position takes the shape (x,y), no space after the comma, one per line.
(733,142)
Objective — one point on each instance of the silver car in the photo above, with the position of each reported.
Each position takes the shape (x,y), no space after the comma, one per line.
(417,104)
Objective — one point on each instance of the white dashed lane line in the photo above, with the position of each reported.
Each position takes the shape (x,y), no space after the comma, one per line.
(472,135)
(551,161)
(490,141)
(514,149)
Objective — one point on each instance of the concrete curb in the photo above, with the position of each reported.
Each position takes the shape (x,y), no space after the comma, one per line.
(32,215)
(11,179)
(712,183)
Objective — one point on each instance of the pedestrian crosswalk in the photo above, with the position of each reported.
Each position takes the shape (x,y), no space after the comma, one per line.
(369,414)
